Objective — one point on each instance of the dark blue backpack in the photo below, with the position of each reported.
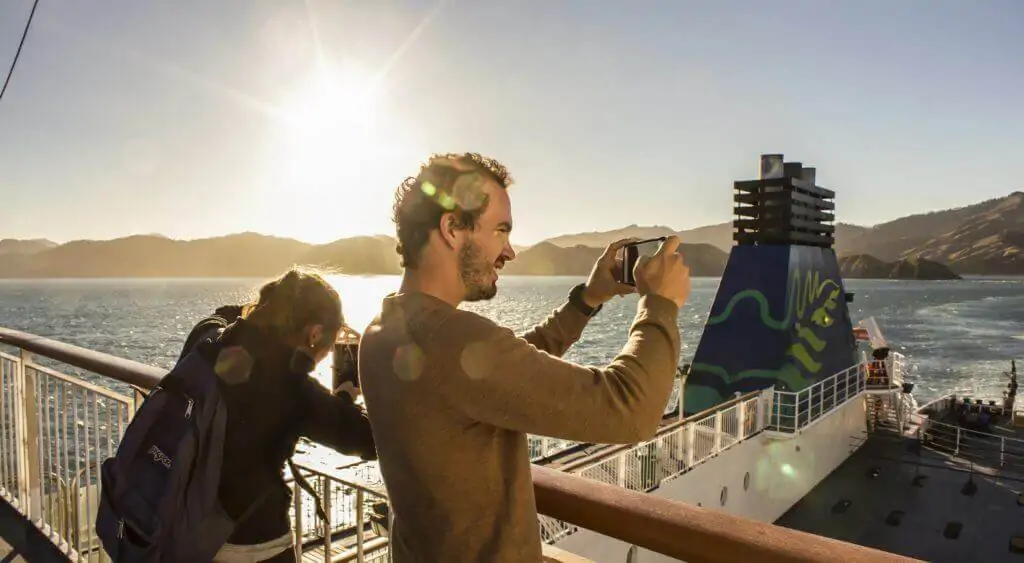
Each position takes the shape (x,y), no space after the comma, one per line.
(159,501)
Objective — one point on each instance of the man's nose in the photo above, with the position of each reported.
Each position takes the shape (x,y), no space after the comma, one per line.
(509,252)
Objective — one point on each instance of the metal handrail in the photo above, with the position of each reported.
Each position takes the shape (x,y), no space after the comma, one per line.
(669,527)
(121,369)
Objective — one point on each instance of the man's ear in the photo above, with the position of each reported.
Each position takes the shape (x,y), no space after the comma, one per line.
(449,229)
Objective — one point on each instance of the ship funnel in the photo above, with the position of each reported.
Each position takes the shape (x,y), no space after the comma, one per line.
(780,316)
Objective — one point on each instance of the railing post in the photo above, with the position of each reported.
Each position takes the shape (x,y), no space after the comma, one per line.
(137,399)
(761,409)
(297,503)
(718,431)
(691,443)
(679,398)
(620,464)
(359,528)
(956,450)
(29,472)
(325,493)
(742,416)
(1002,451)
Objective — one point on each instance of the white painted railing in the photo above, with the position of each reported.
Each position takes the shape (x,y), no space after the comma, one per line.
(973,445)
(796,410)
(348,497)
(676,450)
(11,418)
(970,445)
(680,448)
(56,429)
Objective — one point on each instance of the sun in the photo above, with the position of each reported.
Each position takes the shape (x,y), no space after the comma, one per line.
(331,128)
(336,157)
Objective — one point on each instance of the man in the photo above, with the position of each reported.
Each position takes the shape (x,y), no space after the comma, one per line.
(451,395)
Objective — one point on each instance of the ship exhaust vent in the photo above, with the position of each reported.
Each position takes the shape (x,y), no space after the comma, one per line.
(783,207)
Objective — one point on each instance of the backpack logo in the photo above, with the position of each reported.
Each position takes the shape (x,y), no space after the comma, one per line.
(160,457)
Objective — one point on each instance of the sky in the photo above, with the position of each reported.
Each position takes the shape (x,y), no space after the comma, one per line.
(298,118)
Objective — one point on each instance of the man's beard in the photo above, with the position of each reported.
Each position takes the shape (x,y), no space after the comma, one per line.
(475,271)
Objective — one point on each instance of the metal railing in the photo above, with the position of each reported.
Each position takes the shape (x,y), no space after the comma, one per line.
(354,531)
(975,446)
(982,448)
(36,434)
(675,450)
(794,411)
(56,429)
(10,420)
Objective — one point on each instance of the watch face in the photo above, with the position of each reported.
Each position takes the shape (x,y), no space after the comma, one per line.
(771,166)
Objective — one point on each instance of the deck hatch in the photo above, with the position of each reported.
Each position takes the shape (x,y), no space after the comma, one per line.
(841,506)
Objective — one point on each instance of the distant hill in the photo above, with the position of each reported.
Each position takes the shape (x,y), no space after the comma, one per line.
(144,256)
(31,246)
(552,260)
(718,235)
(988,241)
(985,239)
(601,239)
(866,266)
(357,255)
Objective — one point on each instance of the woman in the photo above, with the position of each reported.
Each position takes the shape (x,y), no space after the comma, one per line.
(267,351)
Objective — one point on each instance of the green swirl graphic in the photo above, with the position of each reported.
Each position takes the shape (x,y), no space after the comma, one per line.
(788,374)
(795,301)
(804,291)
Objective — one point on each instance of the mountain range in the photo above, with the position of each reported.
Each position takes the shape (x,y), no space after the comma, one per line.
(986,238)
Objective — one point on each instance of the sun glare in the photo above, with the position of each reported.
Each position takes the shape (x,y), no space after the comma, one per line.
(337,151)
(332,128)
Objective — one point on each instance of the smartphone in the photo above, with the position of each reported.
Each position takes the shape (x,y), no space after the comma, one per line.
(345,368)
(630,253)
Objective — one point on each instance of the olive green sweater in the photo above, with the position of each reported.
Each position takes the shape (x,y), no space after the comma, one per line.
(451,397)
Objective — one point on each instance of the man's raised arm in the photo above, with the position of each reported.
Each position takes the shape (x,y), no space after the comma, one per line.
(496,378)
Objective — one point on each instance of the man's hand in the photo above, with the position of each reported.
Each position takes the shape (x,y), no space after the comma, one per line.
(664,274)
(602,285)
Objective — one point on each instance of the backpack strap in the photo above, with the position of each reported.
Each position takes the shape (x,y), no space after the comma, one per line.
(302,482)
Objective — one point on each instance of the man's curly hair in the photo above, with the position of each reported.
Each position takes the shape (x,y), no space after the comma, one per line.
(446,183)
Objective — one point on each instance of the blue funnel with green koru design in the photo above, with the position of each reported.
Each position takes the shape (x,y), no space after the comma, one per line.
(780,316)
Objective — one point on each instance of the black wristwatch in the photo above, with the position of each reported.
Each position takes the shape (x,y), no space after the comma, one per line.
(576,299)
